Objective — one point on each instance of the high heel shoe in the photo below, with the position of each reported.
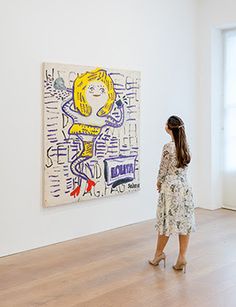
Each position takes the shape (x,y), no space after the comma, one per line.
(180,266)
(158,259)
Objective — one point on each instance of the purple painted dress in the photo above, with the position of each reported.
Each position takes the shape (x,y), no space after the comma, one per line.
(175,209)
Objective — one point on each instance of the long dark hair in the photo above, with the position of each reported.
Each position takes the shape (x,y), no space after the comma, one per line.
(176,125)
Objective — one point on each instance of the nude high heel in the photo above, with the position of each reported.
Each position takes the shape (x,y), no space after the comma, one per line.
(158,259)
(180,266)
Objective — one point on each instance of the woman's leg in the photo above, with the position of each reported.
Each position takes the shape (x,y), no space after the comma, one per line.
(161,243)
(183,245)
(79,158)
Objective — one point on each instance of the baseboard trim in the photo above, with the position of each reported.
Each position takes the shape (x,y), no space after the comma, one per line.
(229,208)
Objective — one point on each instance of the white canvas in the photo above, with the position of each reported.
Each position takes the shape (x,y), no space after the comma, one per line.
(91,132)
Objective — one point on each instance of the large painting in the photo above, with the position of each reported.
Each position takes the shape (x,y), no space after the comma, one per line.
(91,132)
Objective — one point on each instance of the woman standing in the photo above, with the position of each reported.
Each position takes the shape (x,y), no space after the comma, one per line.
(175,210)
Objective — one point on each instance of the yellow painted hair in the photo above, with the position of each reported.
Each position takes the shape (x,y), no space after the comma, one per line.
(80,85)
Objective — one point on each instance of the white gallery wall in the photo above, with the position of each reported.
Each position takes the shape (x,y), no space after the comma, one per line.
(213,17)
(155,37)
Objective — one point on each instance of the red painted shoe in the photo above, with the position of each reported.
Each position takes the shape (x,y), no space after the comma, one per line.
(75,192)
(91,184)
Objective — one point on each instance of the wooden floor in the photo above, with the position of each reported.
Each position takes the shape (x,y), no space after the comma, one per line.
(111,269)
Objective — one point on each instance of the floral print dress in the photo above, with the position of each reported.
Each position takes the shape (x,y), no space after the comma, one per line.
(175,209)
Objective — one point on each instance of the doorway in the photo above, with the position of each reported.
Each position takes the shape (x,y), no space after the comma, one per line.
(229,120)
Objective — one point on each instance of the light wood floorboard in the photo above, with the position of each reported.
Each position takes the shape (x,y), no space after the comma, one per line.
(110,269)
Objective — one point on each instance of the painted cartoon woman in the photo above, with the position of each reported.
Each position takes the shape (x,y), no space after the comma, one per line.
(92,101)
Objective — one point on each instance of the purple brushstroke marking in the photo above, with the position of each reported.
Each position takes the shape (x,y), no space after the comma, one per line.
(119,87)
(56,191)
(52,130)
(48,102)
(51,108)
(52,124)
(52,112)
(60,148)
(56,117)
(53,141)
(116,74)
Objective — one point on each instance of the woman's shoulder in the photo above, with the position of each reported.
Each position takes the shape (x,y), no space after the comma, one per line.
(170,144)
